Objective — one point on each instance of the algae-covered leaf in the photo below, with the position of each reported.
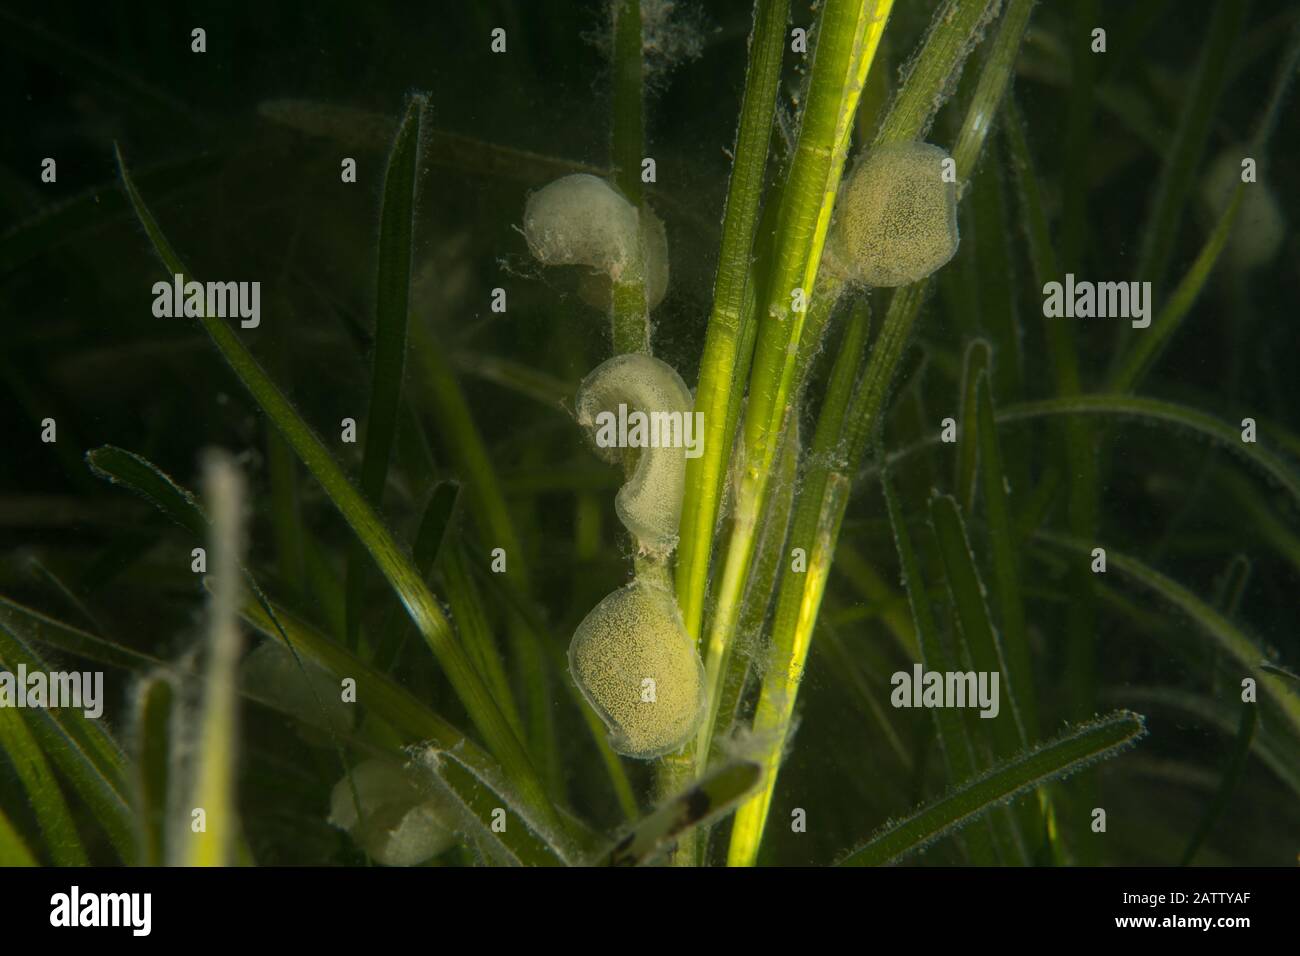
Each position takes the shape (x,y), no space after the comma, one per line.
(1072,751)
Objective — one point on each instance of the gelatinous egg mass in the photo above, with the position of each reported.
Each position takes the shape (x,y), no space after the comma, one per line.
(1260,228)
(398,824)
(637,667)
(582,220)
(896,217)
(650,503)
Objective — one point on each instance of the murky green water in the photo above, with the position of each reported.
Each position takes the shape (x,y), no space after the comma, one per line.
(263,158)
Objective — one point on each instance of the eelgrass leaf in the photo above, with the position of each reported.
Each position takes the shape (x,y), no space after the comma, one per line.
(953,34)
(1007,587)
(981,638)
(724,365)
(931,75)
(1280,671)
(143,478)
(1145,351)
(41,628)
(954,741)
(391,702)
(1006,561)
(429,537)
(823,496)
(763,578)
(211,788)
(392,561)
(1264,519)
(1190,137)
(87,756)
(475,630)
(894,608)
(985,650)
(1231,774)
(1077,145)
(1075,749)
(1157,410)
(703,802)
(629,310)
(392,308)
(976,363)
(36,776)
(996,73)
(473,806)
(1082,467)
(540,386)
(154,711)
(1279,752)
(13,851)
(441,392)
(1150,410)
(994,233)
(1232,639)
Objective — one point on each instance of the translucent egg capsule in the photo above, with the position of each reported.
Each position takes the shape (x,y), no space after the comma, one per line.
(582,220)
(398,824)
(896,216)
(637,402)
(1260,228)
(639,670)
(306,690)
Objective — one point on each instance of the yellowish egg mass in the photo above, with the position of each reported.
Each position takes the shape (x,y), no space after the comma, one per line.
(637,667)
(896,217)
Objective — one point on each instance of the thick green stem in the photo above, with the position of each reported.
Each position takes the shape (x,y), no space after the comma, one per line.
(850,428)
(818,514)
(629,315)
(724,360)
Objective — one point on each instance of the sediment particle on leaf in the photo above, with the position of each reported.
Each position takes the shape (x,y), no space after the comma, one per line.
(639,670)
(896,217)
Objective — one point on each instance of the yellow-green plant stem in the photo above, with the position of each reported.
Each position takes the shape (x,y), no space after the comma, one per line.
(768,558)
(720,643)
(629,315)
(850,429)
(213,786)
(388,366)
(724,363)
(825,496)
(848,34)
